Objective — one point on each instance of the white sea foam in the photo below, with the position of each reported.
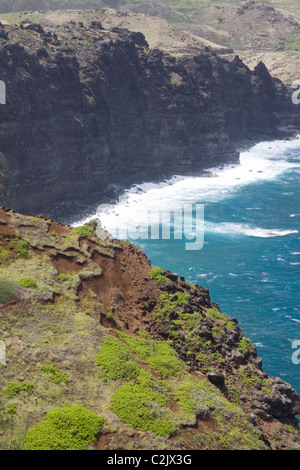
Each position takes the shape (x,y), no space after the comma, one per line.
(264,161)
(293,319)
(229,228)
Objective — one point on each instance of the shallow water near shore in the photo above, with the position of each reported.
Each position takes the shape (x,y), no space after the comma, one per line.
(250,260)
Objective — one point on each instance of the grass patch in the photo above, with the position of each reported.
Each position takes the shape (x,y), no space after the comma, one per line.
(158,355)
(5,256)
(244,345)
(28,282)
(251,381)
(168,304)
(143,408)
(86,230)
(20,246)
(56,375)
(65,277)
(8,291)
(216,314)
(158,274)
(13,389)
(115,360)
(69,428)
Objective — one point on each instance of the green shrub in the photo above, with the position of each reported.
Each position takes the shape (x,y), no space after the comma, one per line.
(143,408)
(109,315)
(5,256)
(13,389)
(28,282)
(244,345)
(167,305)
(255,382)
(56,375)
(116,361)
(11,410)
(158,355)
(158,274)
(216,314)
(70,428)
(86,230)
(65,277)
(8,291)
(182,298)
(20,246)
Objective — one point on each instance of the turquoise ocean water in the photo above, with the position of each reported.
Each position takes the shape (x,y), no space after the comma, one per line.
(250,260)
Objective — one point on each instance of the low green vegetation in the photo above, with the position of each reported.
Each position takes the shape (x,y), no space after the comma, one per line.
(5,256)
(28,282)
(142,401)
(253,381)
(69,428)
(158,355)
(8,290)
(109,315)
(170,303)
(216,314)
(244,345)
(65,277)
(56,375)
(104,251)
(158,274)
(86,230)
(115,360)
(20,246)
(13,389)
(143,408)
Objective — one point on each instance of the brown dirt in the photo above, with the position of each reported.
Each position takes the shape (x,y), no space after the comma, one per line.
(58,228)
(64,264)
(124,287)
(7,228)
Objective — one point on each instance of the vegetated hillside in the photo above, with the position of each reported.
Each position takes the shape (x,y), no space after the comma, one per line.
(244,24)
(255,31)
(158,33)
(131,355)
(180,6)
(268,29)
(35,5)
(88,107)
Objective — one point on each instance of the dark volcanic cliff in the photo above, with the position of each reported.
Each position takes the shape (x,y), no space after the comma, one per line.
(87,108)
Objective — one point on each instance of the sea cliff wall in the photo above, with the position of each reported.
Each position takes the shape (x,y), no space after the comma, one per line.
(89,108)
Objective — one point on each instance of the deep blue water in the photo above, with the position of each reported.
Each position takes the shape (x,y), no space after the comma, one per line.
(250,261)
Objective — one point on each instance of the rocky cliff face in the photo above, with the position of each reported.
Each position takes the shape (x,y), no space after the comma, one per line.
(90,322)
(87,108)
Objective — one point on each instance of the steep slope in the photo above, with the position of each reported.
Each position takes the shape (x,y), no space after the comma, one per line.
(142,355)
(88,107)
